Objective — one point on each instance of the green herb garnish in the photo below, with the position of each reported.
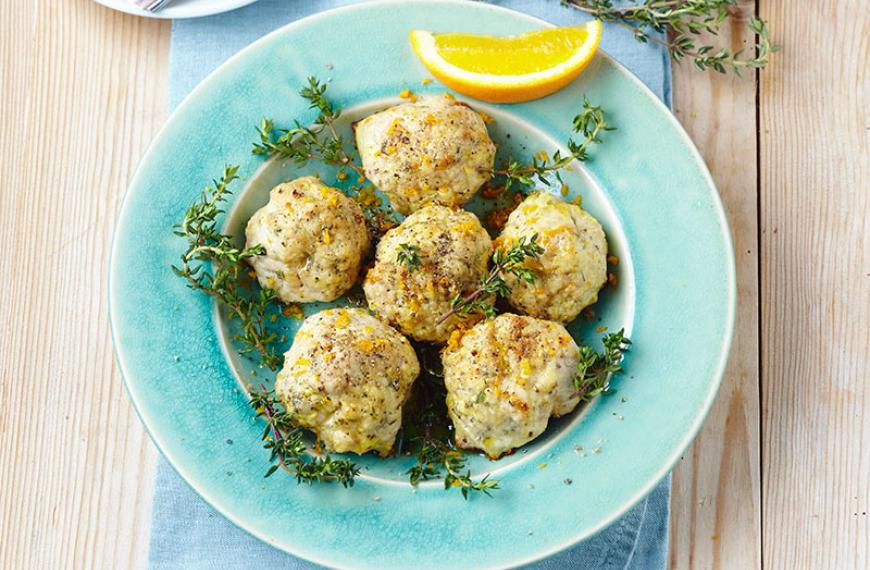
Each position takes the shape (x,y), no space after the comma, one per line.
(320,142)
(228,280)
(591,123)
(409,254)
(595,370)
(681,22)
(437,458)
(287,449)
(509,261)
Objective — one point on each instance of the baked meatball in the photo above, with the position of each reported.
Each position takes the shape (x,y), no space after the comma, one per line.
(315,239)
(505,377)
(346,378)
(451,250)
(572,268)
(433,151)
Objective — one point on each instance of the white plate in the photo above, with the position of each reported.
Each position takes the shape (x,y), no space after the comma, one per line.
(179,8)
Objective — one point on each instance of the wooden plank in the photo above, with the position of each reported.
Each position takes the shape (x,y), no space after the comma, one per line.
(83,94)
(815,276)
(716,518)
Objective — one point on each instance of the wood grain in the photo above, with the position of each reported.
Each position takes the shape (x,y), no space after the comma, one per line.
(815,251)
(716,502)
(83,92)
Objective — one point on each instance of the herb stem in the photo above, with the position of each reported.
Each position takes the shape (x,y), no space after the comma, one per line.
(591,123)
(284,440)
(682,21)
(213,265)
(504,262)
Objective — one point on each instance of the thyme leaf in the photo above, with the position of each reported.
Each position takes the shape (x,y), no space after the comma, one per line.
(213,265)
(590,123)
(287,449)
(504,261)
(409,255)
(595,370)
(437,458)
(321,141)
(682,22)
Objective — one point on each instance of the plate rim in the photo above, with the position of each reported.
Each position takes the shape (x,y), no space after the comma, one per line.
(695,156)
(173,12)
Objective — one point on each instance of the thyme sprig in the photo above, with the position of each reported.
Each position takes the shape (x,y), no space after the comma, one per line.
(409,255)
(226,280)
(321,141)
(590,123)
(595,370)
(437,458)
(682,22)
(287,449)
(504,261)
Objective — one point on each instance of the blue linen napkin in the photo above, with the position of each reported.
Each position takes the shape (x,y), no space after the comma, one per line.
(185,531)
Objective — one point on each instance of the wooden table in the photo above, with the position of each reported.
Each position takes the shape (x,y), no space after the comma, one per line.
(779,475)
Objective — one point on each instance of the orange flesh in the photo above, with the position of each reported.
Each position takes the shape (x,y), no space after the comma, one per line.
(515,55)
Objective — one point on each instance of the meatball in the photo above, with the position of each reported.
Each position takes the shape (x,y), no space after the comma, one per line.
(572,268)
(315,239)
(346,378)
(434,151)
(505,377)
(448,252)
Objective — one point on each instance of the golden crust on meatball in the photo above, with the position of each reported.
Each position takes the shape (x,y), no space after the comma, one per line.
(451,250)
(315,239)
(505,378)
(433,151)
(573,267)
(346,378)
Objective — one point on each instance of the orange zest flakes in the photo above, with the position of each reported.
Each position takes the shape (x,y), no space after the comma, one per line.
(327,237)
(588,313)
(426,80)
(342,175)
(329,357)
(293,311)
(612,279)
(601,329)
(342,321)
(303,362)
(519,404)
(455,339)
(365,345)
(490,192)
(405,94)
(525,369)
(449,95)
(564,190)
(612,260)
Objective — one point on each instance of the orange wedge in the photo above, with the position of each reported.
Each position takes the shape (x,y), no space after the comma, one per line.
(508,69)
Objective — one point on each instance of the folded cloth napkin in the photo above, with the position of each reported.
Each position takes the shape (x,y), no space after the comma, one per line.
(185,531)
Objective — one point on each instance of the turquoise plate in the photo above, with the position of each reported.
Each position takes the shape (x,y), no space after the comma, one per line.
(676,296)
